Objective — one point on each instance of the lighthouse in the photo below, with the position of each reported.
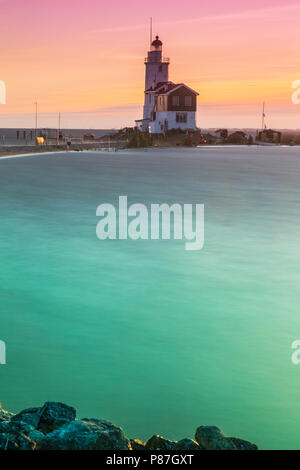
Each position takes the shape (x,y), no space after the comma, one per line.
(167,105)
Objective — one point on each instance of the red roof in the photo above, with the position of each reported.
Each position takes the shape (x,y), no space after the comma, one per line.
(167,87)
(161,85)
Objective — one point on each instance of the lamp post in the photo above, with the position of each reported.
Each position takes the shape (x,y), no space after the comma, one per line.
(36,118)
(58,130)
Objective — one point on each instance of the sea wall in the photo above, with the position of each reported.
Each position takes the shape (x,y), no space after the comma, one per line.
(23,149)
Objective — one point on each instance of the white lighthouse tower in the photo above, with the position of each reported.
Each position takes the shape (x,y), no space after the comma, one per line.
(157,71)
(157,67)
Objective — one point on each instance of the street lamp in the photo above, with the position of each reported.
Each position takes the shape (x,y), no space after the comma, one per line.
(36,118)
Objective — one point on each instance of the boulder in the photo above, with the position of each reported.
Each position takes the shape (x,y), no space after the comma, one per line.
(240,444)
(54,415)
(47,418)
(158,442)
(19,435)
(30,416)
(137,444)
(213,438)
(188,444)
(86,434)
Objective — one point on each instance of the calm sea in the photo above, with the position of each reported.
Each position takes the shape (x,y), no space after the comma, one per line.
(144,333)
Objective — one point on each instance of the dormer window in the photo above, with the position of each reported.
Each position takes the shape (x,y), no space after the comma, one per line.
(175,100)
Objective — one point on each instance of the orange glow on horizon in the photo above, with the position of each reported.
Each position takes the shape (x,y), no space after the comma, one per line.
(87,60)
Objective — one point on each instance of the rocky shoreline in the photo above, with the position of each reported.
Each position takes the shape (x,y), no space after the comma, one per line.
(54,426)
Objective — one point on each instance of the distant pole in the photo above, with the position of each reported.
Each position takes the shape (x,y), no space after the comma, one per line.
(263,117)
(150,32)
(36,118)
(58,130)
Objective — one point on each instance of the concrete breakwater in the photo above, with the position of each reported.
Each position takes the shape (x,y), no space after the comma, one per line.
(22,149)
(54,426)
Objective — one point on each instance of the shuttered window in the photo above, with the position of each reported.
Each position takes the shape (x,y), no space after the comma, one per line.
(188,101)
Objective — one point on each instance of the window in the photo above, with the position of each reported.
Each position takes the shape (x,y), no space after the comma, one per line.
(181,117)
(188,100)
(160,68)
(175,100)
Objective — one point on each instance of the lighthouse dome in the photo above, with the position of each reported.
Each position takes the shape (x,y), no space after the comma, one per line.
(156,44)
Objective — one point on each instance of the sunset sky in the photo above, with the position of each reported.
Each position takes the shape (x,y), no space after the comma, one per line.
(86,59)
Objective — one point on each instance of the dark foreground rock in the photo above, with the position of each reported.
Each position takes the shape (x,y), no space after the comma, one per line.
(213,438)
(55,415)
(16,435)
(158,442)
(54,426)
(5,415)
(188,444)
(137,444)
(51,416)
(86,434)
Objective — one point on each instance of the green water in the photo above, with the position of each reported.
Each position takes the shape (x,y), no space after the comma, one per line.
(144,333)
